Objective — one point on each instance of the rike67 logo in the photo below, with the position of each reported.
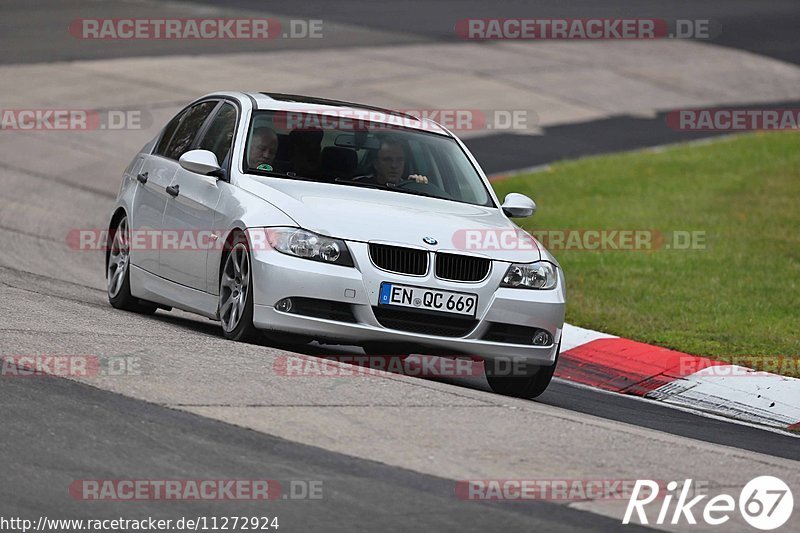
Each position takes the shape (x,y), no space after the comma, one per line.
(766,503)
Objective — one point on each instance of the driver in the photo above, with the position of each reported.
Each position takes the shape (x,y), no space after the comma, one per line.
(263,148)
(390,164)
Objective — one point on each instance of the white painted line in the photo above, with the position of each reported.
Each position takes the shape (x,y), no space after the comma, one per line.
(737,392)
(731,391)
(574,336)
(682,408)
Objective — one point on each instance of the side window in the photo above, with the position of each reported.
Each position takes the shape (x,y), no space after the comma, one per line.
(190,123)
(169,131)
(219,136)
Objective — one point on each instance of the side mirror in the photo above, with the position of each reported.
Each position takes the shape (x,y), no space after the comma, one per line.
(201,162)
(518,206)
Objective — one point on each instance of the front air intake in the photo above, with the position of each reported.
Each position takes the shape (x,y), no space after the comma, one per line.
(454,267)
(399,260)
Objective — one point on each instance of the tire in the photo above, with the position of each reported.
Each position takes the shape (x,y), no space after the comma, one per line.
(533,383)
(118,275)
(235,307)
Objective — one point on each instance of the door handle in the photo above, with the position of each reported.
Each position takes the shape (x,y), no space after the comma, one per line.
(173,190)
(142,178)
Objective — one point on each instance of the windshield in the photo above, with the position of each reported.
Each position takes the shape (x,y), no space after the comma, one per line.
(360,153)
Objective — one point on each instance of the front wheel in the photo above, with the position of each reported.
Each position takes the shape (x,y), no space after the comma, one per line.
(520,381)
(118,276)
(236,295)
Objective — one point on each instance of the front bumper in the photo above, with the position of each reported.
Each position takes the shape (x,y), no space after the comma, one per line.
(277,276)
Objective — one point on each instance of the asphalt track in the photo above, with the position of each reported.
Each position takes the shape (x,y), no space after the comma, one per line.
(56,431)
(89,430)
(32,35)
(765,28)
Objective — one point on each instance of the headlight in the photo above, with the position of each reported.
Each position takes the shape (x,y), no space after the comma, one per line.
(302,243)
(539,275)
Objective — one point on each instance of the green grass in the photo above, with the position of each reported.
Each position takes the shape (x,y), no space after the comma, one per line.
(740,296)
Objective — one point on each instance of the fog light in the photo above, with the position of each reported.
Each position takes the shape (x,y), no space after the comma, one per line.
(542,338)
(284,305)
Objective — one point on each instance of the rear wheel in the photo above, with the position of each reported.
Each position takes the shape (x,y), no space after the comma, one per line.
(236,295)
(118,276)
(521,381)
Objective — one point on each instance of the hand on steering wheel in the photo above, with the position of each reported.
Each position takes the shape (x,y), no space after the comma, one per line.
(413,178)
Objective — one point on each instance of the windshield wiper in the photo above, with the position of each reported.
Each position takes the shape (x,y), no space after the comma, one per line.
(371,185)
(359,183)
(274,174)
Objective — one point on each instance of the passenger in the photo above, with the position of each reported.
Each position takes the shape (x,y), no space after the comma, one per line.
(390,164)
(263,148)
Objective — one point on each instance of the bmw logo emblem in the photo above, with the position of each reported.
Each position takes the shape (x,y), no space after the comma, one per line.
(430,240)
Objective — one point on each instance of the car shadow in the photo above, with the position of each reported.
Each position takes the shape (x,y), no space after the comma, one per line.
(476,380)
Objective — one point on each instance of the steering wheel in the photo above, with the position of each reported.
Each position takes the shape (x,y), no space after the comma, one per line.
(428,188)
(403,183)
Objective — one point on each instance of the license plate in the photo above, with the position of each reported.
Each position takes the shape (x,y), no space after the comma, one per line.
(423,299)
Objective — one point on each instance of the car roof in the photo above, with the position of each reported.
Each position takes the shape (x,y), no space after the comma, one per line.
(338,108)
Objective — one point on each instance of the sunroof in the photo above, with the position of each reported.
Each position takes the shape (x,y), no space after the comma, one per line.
(283,97)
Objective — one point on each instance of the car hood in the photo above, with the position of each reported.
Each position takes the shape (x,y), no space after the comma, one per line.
(363,214)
